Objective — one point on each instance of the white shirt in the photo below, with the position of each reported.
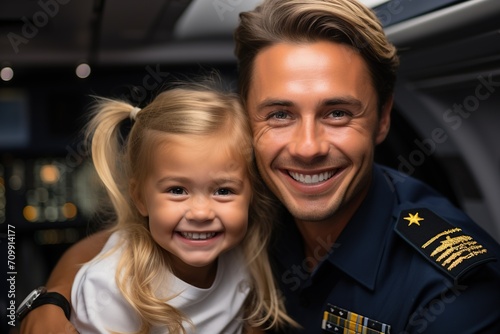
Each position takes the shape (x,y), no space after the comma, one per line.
(99,307)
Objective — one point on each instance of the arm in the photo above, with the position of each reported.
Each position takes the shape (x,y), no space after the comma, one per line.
(247,329)
(468,307)
(49,318)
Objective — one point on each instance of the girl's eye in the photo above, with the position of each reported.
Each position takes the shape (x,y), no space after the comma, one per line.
(223,192)
(176,191)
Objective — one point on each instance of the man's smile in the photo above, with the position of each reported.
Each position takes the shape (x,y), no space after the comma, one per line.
(312,178)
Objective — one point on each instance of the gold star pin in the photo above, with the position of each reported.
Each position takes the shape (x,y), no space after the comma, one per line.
(413,219)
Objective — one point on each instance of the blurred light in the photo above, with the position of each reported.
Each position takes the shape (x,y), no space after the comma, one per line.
(30,213)
(6,73)
(56,236)
(83,71)
(40,195)
(49,174)
(69,210)
(15,182)
(51,213)
(50,237)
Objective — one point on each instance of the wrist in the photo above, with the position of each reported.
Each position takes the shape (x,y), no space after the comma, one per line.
(39,297)
(64,290)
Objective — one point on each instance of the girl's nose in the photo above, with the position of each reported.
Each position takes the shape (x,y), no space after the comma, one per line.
(200,210)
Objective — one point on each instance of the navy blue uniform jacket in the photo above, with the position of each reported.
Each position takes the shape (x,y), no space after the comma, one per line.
(408,259)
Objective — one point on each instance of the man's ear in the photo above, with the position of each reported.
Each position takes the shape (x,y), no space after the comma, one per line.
(137,198)
(384,121)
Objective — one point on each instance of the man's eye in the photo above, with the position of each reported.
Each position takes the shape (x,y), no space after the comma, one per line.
(338,113)
(278,115)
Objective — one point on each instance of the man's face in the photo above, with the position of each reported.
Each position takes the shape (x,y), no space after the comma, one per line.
(313,111)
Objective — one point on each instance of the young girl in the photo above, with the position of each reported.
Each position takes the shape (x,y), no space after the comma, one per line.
(188,253)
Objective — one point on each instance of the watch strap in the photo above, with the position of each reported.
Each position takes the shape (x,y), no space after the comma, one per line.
(54,298)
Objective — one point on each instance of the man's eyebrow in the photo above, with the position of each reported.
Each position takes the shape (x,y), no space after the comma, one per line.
(274,103)
(349,100)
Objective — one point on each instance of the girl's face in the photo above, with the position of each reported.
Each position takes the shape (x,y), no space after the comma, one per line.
(197,197)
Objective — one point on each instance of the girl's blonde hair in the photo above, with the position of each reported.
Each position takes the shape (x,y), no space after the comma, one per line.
(191,110)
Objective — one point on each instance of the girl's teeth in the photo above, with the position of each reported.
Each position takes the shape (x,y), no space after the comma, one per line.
(198,236)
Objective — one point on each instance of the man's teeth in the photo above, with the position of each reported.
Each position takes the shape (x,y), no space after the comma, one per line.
(309,179)
(198,236)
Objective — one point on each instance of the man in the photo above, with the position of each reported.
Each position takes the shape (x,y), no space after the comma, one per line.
(360,248)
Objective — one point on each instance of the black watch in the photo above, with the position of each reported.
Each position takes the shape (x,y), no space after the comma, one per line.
(39,297)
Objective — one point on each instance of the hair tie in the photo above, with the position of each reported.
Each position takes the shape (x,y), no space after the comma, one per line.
(133,113)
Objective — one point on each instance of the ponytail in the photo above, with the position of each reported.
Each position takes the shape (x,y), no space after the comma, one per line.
(103,131)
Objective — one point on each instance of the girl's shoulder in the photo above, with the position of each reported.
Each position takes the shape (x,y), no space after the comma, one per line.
(96,299)
(107,259)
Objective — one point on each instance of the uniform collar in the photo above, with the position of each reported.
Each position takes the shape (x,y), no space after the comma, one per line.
(359,248)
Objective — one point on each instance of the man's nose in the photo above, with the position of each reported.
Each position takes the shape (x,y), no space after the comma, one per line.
(309,140)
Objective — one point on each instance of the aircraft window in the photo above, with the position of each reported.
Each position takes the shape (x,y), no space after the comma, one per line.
(394,11)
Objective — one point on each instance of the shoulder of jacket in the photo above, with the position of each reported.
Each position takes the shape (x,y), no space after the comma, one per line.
(442,243)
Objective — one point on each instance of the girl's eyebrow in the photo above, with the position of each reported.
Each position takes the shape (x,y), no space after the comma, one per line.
(172,178)
(229,181)
(221,180)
